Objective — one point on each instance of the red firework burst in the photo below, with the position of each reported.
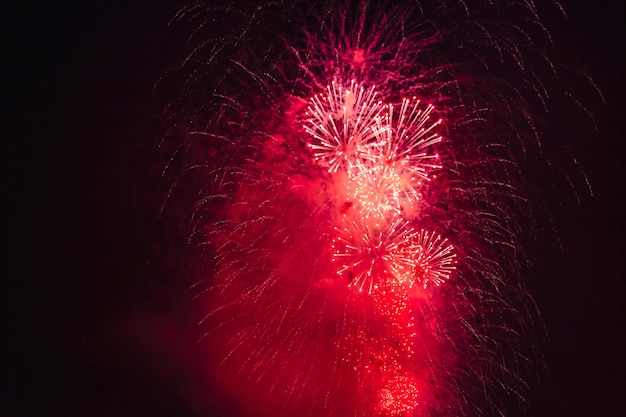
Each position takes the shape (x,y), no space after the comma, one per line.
(359,264)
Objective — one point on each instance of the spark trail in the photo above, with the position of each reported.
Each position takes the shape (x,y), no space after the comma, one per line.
(360,209)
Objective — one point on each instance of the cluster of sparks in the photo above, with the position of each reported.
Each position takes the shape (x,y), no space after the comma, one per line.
(381,159)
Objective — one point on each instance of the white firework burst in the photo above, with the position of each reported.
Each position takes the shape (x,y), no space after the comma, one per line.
(435,259)
(367,253)
(411,135)
(341,124)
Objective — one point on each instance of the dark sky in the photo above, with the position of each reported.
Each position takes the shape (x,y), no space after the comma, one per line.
(83,260)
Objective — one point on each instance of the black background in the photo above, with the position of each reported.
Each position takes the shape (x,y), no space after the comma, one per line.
(88,298)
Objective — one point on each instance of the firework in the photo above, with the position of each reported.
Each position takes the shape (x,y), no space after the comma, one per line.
(342,124)
(435,259)
(367,254)
(362,211)
(408,136)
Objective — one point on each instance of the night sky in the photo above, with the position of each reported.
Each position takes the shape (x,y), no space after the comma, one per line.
(94,301)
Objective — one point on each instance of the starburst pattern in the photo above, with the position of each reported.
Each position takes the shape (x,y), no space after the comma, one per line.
(341,123)
(367,253)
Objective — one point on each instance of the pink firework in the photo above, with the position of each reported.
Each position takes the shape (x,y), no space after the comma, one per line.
(435,259)
(390,177)
(368,253)
(360,253)
(409,137)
